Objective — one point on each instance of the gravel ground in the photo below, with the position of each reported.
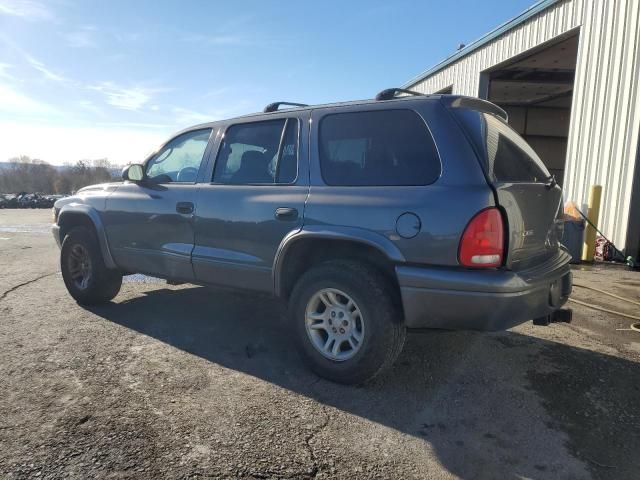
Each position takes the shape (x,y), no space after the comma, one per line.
(188,382)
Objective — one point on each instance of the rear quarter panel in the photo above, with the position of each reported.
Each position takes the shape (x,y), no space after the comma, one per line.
(444,207)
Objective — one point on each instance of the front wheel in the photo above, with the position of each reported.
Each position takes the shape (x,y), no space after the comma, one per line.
(85,275)
(347,324)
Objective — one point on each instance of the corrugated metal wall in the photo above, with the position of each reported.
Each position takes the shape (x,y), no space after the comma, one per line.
(605,118)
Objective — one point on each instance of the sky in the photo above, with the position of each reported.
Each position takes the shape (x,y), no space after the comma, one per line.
(113,79)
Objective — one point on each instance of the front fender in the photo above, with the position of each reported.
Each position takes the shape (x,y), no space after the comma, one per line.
(359,235)
(72,209)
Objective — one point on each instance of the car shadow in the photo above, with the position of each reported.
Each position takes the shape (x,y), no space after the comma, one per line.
(500,405)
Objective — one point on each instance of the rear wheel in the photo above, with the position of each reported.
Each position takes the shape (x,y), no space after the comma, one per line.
(85,275)
(347,324)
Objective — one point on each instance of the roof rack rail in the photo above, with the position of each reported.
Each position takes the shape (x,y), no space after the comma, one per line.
(274,107)
(390,93)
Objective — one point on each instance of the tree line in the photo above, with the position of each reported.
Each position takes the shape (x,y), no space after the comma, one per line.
(24,174)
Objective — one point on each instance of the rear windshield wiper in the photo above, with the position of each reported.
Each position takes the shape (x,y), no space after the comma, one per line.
(550,181)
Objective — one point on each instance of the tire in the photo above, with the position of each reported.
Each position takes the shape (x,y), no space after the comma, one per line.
(374,324)
(85,275)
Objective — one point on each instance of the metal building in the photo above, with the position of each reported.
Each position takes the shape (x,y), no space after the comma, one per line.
(567,72)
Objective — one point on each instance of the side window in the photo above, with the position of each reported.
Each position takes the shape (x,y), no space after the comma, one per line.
(180,159)
(260,152)
(384,147)
(510,157)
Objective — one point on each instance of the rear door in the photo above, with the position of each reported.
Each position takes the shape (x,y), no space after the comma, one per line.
(524,188)
(254,196)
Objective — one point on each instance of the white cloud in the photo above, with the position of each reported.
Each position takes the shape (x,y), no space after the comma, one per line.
(60,144)
(240,30)
(16,103)
(89,106)
(128,37)
(217,92)
(26,9)
(84,37)
(40,130)
(33,62)
(222,40)
(184,116)
(46,72)
(152,126)
(4,67)
(126,98)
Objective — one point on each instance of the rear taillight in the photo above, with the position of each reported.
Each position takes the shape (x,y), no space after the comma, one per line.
(482,243)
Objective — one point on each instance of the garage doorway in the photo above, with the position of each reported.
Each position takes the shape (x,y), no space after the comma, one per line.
(536,90)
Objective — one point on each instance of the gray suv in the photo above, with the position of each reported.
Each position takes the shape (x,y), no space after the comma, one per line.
(366,217)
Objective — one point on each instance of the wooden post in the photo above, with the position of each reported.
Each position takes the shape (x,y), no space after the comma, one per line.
(593,214)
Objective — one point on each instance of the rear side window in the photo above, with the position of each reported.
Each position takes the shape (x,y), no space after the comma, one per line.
(505,155)
(259,153)
(385,147)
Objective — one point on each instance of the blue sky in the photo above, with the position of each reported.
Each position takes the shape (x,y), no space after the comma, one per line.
(93,79)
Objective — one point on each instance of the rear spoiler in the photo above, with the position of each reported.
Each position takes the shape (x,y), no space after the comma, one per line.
(472,103)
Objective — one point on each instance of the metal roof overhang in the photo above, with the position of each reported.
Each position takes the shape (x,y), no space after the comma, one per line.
(482,41)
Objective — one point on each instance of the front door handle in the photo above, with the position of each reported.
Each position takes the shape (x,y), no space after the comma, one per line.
(286,213)
(184,207)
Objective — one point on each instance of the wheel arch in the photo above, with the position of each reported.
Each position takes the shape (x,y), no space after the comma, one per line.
(75,215)
(303,249)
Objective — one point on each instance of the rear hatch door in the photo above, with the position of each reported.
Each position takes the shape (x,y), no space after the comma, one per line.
(527,193)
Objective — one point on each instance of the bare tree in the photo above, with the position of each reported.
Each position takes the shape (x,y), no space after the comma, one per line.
(24,174)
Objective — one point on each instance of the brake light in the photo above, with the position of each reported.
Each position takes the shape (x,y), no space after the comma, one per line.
(482,243)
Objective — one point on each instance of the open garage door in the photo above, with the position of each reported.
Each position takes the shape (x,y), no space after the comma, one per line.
(536,90)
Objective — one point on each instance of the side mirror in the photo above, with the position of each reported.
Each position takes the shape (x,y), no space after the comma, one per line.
(133,173)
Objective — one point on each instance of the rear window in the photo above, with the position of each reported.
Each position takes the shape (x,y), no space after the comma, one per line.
(505,155)
(386,147)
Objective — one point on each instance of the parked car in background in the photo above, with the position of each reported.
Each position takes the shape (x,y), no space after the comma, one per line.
(367,217)
(28,200)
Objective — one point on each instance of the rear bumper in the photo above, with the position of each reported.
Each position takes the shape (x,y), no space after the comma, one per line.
(459,299)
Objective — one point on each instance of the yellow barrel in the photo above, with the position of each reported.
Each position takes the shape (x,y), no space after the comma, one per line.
(593,214)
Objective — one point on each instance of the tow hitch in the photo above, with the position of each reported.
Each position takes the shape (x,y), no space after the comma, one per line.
(563,315)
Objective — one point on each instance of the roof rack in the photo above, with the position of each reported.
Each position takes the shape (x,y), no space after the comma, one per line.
(390,93)
(274,107)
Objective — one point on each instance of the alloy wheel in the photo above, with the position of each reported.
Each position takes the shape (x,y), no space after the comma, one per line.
(334,324)
(79,265)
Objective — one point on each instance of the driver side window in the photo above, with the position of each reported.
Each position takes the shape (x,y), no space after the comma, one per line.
(180,159)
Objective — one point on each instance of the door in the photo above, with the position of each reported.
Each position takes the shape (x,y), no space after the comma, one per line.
(150,224)
(256,196)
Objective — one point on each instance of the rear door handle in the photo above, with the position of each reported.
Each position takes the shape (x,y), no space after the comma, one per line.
(184,207)
(286,213)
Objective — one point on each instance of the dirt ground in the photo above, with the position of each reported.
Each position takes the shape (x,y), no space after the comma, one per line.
(188,382)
